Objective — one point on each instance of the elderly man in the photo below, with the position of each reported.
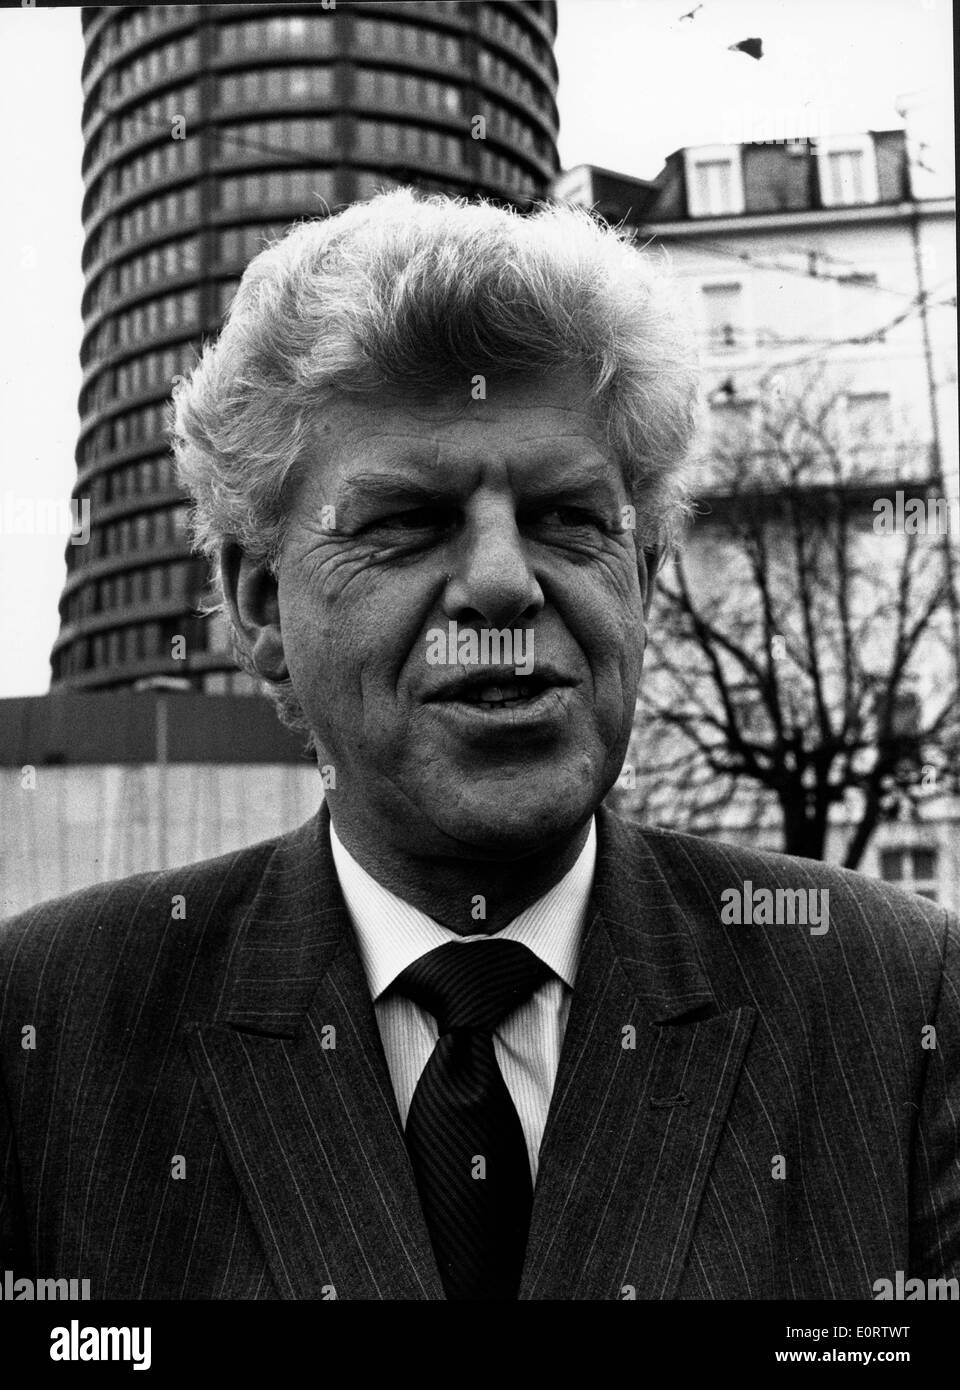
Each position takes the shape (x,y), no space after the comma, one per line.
(466,1034)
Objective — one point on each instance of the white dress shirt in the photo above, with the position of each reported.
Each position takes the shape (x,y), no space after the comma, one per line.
(391,934)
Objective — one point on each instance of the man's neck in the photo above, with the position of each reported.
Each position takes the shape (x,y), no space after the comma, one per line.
(468,896)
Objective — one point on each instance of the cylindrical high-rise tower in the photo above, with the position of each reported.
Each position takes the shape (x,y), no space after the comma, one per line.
(207,130)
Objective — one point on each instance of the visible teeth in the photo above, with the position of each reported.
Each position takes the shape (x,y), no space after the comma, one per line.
(498,692)
(500,695)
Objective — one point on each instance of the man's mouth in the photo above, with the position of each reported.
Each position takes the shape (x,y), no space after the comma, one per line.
(502,695)
(502,704)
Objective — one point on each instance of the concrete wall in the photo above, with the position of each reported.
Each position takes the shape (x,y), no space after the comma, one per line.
(67,827)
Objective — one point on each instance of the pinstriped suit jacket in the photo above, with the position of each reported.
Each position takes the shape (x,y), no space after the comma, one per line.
(183,1128)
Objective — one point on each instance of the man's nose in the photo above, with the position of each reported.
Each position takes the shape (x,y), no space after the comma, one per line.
(492,583)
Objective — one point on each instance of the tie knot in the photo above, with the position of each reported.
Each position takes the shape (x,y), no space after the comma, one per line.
(473,986)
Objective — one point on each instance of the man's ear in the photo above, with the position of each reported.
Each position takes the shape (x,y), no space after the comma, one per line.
(251,598)
(651,557)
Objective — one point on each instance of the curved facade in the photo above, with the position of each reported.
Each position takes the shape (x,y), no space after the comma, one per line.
(208,129)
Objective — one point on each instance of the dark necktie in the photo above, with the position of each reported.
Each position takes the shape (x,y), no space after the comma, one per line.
(463,1132)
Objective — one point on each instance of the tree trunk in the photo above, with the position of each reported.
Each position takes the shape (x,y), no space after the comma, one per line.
(803,835)
(868,824)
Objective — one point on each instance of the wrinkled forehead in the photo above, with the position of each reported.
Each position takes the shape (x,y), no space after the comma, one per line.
(538,435)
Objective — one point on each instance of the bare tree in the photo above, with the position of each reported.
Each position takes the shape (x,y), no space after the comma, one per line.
(802,654)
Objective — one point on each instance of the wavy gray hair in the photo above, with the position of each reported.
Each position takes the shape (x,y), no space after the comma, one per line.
(423,293)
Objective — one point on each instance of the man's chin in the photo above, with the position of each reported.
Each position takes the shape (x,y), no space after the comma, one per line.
(510,824)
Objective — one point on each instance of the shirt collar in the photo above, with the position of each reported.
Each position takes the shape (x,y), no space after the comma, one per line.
(391,934)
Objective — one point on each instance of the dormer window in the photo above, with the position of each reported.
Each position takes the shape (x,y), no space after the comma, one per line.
(848,171)
(845,170)
(715,184)
(714,181)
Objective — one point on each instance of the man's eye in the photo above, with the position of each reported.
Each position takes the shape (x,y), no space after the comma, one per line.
(569,516)
(416,519)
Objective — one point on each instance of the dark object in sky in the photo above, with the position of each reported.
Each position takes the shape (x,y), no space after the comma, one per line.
(691,14)
(754,47)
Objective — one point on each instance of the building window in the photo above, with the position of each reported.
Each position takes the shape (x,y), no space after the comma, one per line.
(254,139)
(845,181)
(723,314)
(228,289)
(166,471)
(714,181)
(279,35)
(288,30)
(914,868)
(289,186)
(393,89)
(368,184)
(869,424)
(275,85)
(715,185)
(229,245)
(848,170)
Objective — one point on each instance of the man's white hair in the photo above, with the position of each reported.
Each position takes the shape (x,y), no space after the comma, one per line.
(421,294)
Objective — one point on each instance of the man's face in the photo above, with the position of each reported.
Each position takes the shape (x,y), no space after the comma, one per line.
(498,514)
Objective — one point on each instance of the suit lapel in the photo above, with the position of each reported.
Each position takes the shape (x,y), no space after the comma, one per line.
(647,1072)
(295,1074)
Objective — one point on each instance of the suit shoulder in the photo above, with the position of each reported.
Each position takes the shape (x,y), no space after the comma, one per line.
(792,931)
(706,868)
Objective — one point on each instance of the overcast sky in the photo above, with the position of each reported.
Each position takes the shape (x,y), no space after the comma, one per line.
(636,82)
